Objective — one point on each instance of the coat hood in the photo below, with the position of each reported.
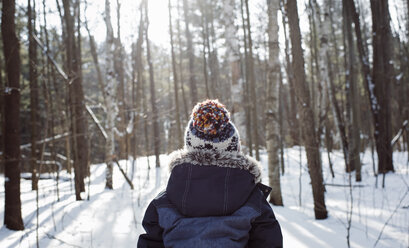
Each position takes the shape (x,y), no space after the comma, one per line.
(208,183)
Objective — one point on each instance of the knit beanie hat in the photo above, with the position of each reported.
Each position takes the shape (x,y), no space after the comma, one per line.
(210,128)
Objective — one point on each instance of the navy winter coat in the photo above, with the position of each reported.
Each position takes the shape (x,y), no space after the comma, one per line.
(211,200)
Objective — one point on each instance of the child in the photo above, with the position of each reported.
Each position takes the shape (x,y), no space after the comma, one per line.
(214,196)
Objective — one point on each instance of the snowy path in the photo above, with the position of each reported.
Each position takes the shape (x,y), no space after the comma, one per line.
(113,218)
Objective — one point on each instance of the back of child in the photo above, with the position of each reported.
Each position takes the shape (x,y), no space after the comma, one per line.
(214,196)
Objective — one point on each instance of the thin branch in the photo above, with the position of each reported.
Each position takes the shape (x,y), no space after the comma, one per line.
(390,217)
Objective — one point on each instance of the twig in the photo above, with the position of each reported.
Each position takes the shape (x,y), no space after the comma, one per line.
(50,236)
(124,174)
(96,121)
(344,185)
(390,217)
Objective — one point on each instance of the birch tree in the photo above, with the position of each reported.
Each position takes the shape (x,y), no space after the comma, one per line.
(232,55)
(273,104)
(110,89)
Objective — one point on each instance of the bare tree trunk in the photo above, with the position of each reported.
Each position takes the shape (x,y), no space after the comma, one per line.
(32,50)
(336,110)
(352,100)
(377,90)
(139,81)
(273,104)
(110,87)
(382,81)
(306,113)
(119,72)
(175,82)
(213,56)
(2,120)
(51,78)
(292,113)
(253,100)
(155,113)
(247,104)
(185,105)
(12,205)
(192,77)
(205,38)
(81,125)
(94,54)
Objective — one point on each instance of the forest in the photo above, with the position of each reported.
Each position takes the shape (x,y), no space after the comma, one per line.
(95,94)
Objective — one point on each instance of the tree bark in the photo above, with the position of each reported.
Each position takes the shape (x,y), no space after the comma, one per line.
(306,113)
(12,205)
(2,120)
(273,104)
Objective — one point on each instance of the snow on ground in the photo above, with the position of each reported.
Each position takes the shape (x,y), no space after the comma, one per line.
(112,218)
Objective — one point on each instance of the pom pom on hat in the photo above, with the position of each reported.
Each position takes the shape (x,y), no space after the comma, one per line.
(210,117)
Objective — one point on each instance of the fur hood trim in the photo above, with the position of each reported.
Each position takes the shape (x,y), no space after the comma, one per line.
(225,159)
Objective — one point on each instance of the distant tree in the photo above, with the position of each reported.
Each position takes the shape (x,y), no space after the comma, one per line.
(382,75)
(333,70)
(206,46)
(155,113)
(378,84)
(246,100)
(110,89)
(191,55)
(77,104)
(180,67)
(352,103)
(253,98)
(33,75)
(175,81)
(292,104)
(120,97)
(11,46)
(306,114)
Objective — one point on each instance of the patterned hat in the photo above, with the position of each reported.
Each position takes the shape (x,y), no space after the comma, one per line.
(210,128)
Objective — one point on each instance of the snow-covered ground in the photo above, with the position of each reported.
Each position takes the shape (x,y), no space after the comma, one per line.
(112,218)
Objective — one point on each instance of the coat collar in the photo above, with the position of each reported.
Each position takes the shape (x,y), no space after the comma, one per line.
(220,159)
